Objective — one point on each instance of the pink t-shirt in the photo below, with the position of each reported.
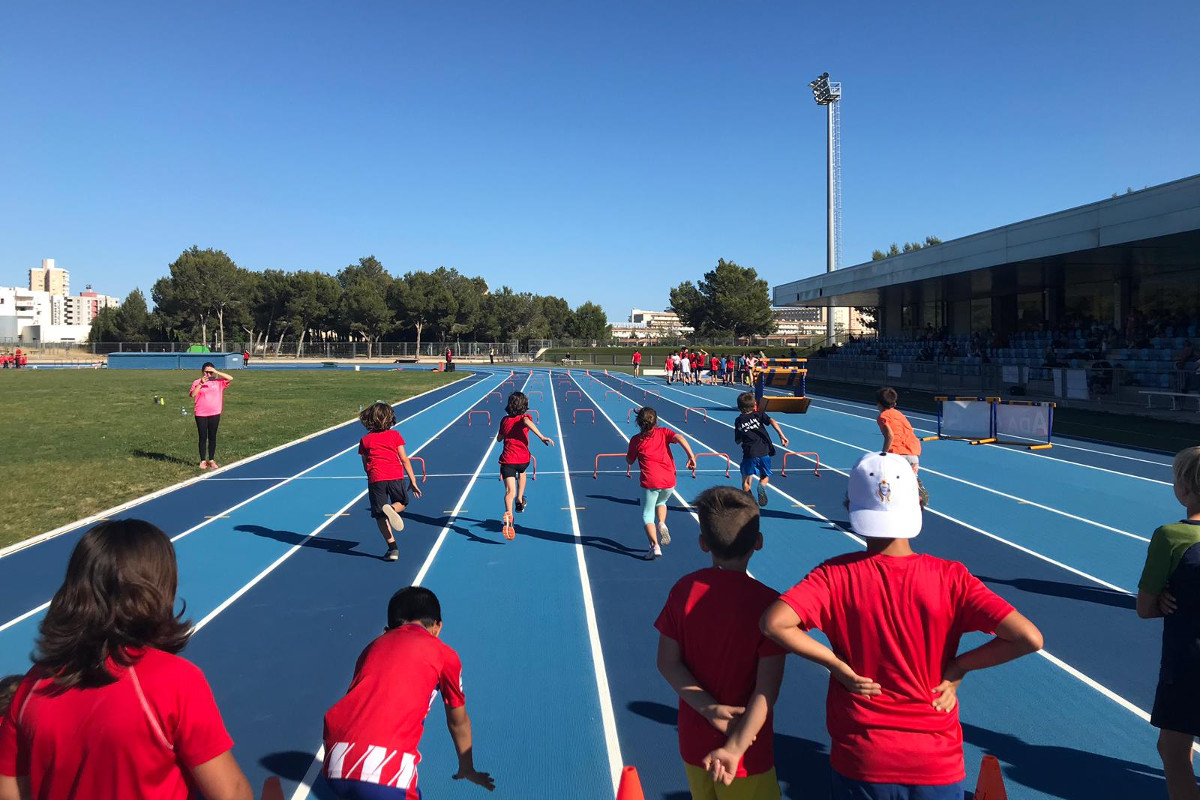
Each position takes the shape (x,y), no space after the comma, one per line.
(210,396)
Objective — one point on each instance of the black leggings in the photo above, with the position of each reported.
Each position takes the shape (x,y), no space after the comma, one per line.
(207,428)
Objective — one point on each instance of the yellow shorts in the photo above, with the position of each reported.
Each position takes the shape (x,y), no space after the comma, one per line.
(763,786)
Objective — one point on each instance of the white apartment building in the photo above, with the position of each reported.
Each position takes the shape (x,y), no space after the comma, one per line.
(49,278)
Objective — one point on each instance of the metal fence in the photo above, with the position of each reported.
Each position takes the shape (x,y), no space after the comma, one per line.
(1085,386)
(84,351)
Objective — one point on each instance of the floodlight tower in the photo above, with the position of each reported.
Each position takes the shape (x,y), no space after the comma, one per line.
(829,95)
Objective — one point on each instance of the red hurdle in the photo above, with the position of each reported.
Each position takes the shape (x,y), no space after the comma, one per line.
(629,414)
(703,411)
(575,413)
(718,455)
(575,392)
(477,411)
(596,471)
(537,418)
(424,475)
(815,457)
(537,392)
(498,395)
(647,392)
(607,392)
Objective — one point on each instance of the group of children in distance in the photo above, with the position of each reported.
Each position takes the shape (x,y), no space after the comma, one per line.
(689,367)
(109,709)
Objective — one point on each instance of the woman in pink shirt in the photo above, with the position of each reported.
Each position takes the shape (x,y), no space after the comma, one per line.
(209,393)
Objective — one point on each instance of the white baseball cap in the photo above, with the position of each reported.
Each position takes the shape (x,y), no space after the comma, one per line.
(884,502)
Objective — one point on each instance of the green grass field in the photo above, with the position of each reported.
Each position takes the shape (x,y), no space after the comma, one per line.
(77,442)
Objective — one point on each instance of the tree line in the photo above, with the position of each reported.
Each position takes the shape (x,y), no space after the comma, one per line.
(205,293)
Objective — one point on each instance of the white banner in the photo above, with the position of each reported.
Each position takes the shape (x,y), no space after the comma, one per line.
(1077,387)
(1010,373)
(1023,423)
(967,419)
(894,370)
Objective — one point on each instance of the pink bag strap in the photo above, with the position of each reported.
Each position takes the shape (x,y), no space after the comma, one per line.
(154,724)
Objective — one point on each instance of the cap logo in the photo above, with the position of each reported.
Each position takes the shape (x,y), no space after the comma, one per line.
(884,491)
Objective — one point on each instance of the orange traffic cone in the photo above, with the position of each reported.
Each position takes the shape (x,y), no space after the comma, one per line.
(630,787)
(991,781)
(272,789)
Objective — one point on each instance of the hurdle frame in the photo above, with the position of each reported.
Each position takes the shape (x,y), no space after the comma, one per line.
(475,411)
(1046,445)
(725,456)
(596,469)
(989,439)
(816,458)
(424,474)
(703,411)
(575,412)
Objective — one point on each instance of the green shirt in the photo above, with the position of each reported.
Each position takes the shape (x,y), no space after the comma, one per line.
(1167,546)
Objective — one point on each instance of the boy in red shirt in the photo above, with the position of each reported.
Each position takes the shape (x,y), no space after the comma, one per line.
(514,431)
(386,465)
(894,619)
(371,734)
(711,651)
(651,449)
(898,435)
(637,363)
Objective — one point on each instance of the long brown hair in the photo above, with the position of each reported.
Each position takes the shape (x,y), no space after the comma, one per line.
(118,596)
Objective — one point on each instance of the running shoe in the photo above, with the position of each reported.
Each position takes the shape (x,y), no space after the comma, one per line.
(922,493)
(203,465)
(520,504)
(393,518)
(212,464)
(762,495)
(653,552)
(664,535)
(507,528)
(393,553)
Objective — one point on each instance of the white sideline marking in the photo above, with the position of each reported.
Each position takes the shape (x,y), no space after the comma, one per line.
(268,490)
(1058,662)
(607,716)
(99,515)
(981,487)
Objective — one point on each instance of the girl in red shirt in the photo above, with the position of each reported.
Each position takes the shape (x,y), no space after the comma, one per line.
(109,709)
(514,458)
(651,449)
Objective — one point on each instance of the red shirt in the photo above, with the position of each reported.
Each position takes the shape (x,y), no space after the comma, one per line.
(372,733)
(713,614)
(716,363)
(381,451)
(897,620)
(653,453)
(136,738)
(904,439)
(516,440)
(637,358)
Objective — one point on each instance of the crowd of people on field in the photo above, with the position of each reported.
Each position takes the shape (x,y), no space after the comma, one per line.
(13,359)
(110,709)
(699,367)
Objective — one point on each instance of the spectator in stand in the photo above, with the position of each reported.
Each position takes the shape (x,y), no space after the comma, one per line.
(109,709)
(1186,356)
(900,644)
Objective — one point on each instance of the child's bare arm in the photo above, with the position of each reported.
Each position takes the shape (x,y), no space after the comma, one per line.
(459,725)
(687,448)
(779,431)
(412,478)
(722,762)
(1016,636)
(781,624)
(670,664)
(1151,606)
(887,437)
(546,440)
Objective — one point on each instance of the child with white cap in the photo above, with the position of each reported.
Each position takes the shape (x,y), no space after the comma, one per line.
(894,619)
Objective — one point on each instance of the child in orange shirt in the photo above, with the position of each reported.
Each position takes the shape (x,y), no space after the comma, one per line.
(898,435)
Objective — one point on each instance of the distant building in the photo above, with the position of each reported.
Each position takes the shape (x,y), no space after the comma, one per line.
(49,278)
(644,325)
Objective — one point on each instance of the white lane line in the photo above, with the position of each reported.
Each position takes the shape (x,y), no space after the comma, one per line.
(607,716)
(947,476)
(931,510)
(925,417)
(686,504)
(1058,662)
(35,540)
(252,498)
(305,787)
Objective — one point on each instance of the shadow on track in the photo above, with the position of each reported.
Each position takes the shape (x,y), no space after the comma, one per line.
(1071,591)
(343,547)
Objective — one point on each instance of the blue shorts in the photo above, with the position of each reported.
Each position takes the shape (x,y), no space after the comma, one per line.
(756,466)
(845,789)
(361,790)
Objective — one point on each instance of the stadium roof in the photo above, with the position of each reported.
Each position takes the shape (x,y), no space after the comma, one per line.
(1171,208)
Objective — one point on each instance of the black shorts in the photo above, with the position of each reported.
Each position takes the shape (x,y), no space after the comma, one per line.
(385,493)
(513,470)
(1176,707)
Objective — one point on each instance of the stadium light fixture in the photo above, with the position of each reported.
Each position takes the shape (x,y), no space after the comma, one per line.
(827,93)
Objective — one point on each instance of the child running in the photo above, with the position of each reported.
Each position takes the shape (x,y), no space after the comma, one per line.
(386,465)
(514,458)
(711,651)
(894,620)
(1170,588)
(750,431)
(371,734)
(898,434)
(651,449)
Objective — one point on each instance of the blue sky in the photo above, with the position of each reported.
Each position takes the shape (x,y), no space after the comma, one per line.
(595,150)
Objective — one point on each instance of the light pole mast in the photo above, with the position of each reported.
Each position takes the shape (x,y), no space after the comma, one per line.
(829,94)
